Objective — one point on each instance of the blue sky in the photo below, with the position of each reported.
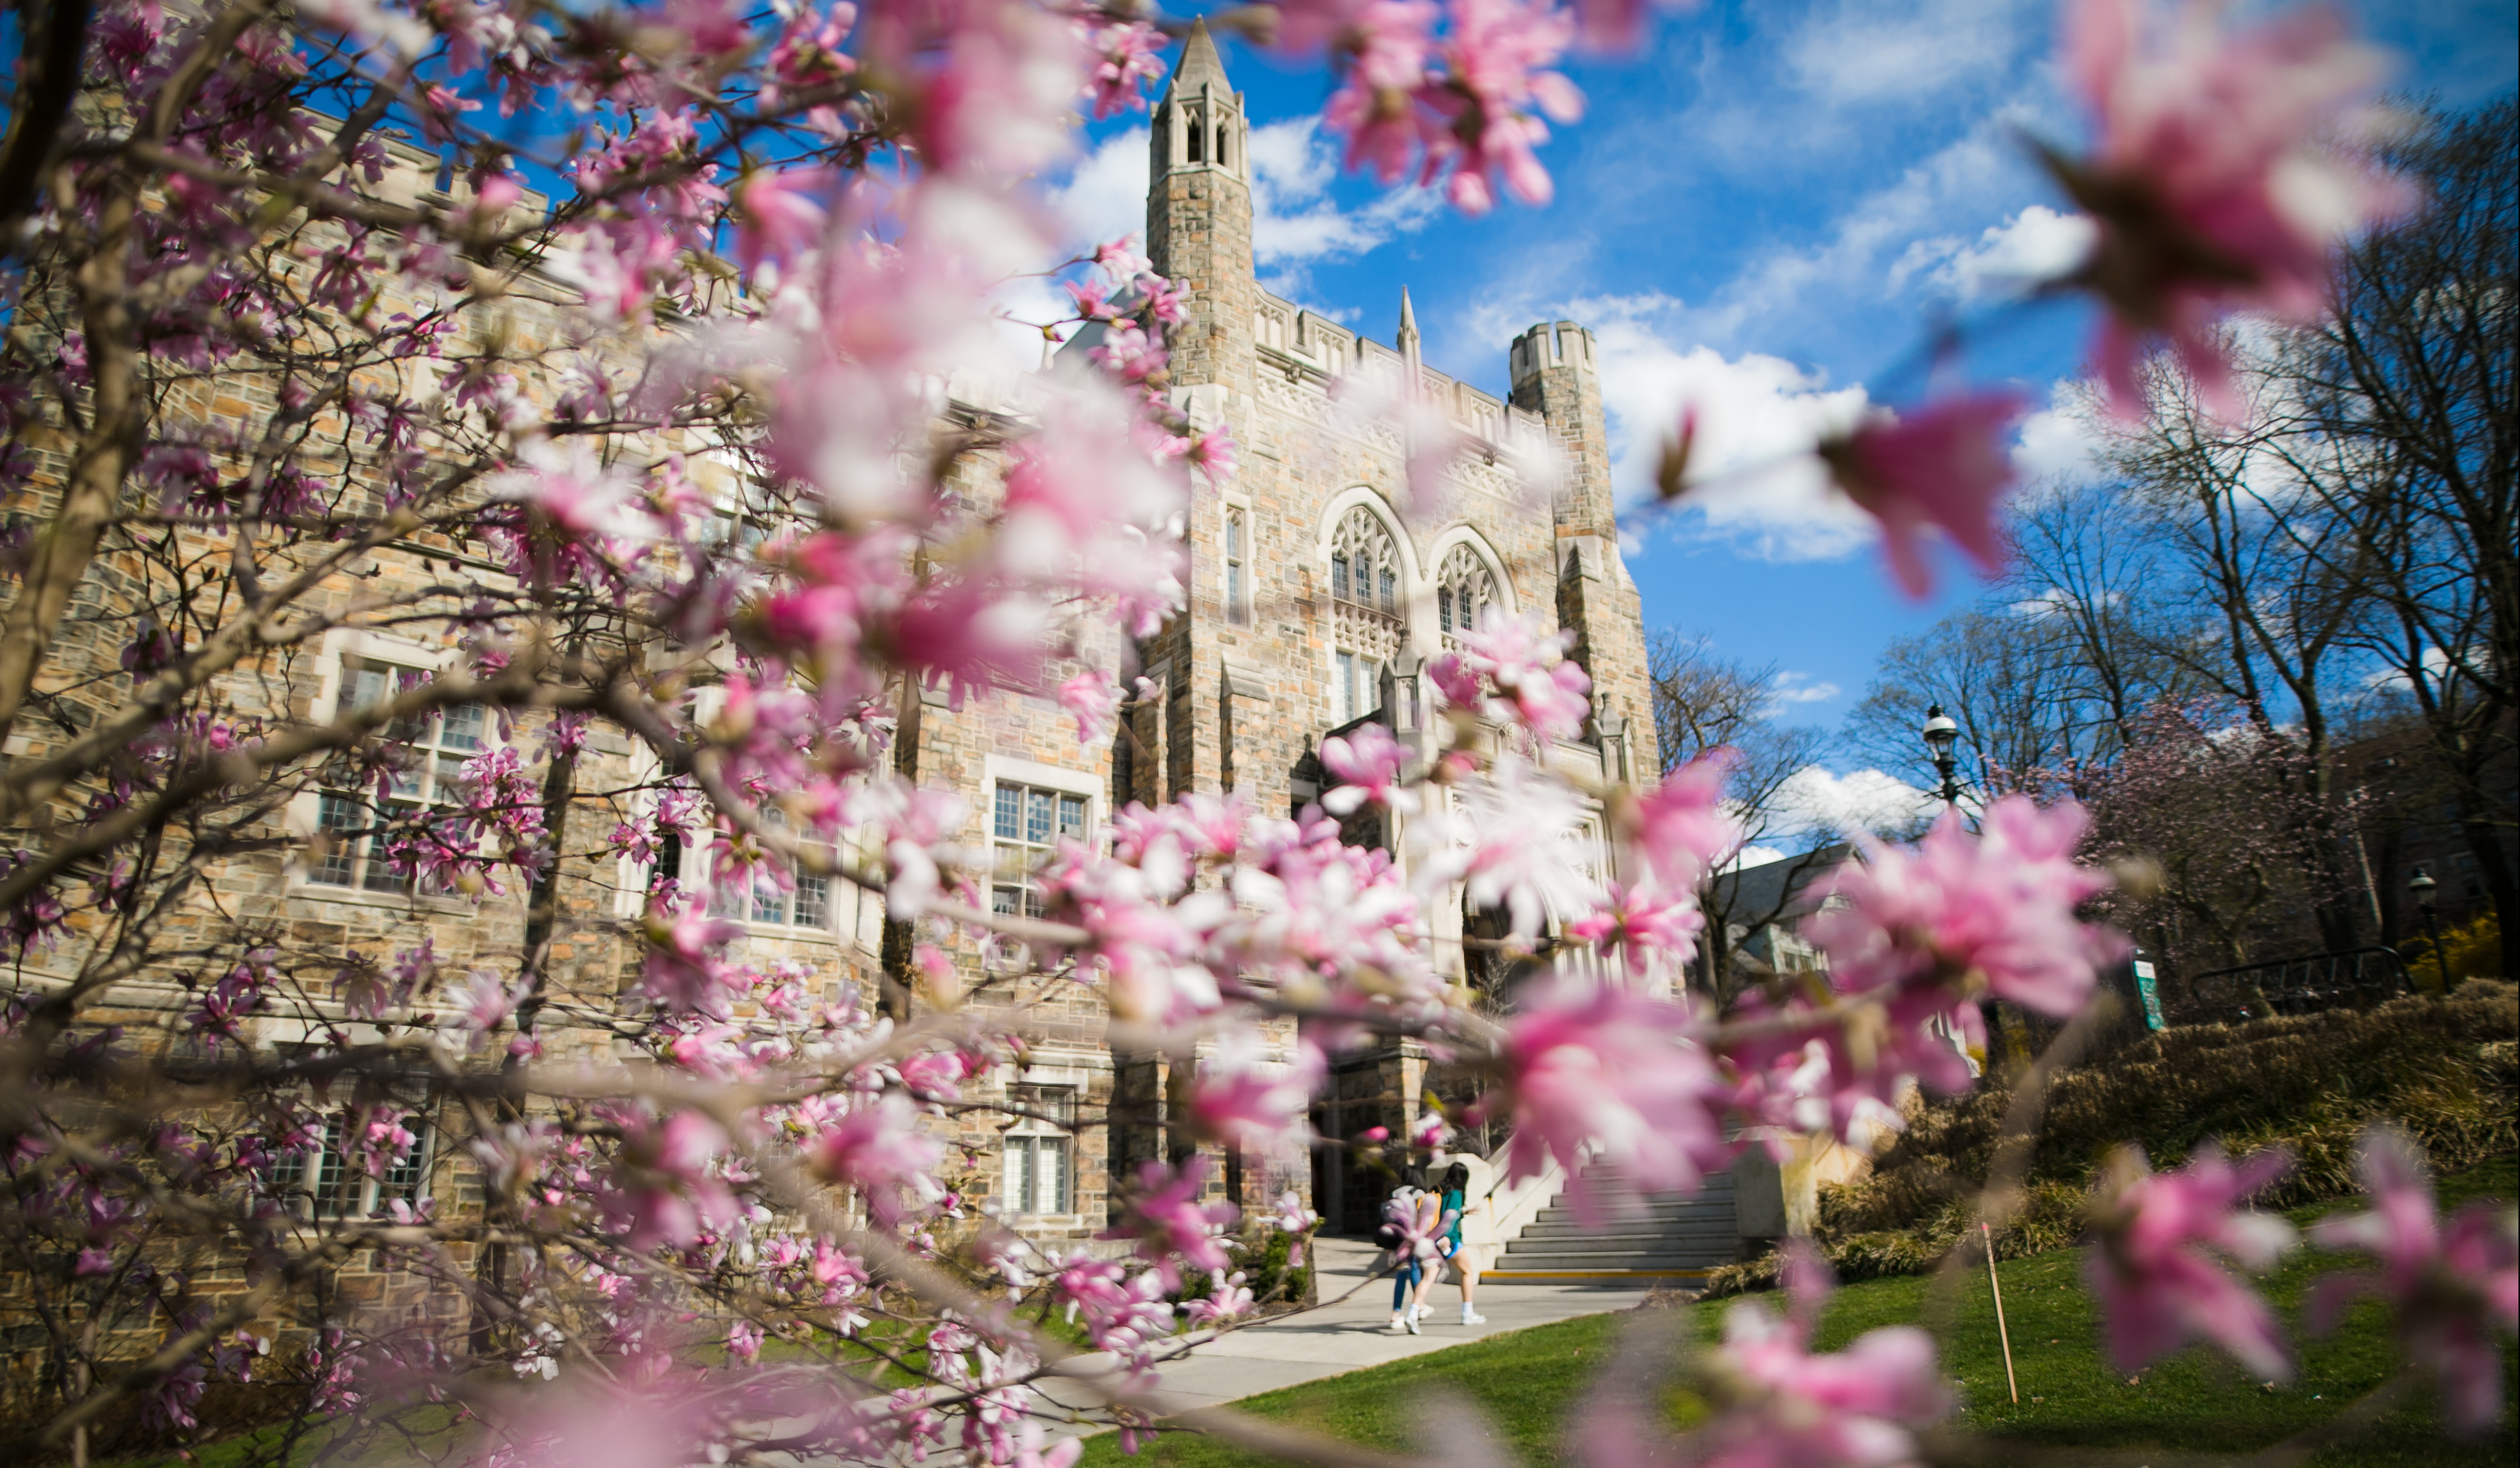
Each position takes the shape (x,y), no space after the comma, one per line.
(1759,213)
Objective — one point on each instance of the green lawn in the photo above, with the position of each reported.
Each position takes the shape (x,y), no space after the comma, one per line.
(1526,1381)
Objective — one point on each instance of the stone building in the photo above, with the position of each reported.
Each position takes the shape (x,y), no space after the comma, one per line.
(1319,587)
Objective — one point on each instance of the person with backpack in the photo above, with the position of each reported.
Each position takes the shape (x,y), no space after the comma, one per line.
(1409,1223)
(1463,1238)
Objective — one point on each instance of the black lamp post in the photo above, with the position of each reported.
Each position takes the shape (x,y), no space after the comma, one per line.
(2424,887)
(1940,735)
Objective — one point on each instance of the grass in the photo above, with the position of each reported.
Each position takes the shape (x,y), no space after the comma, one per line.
(1526,1382)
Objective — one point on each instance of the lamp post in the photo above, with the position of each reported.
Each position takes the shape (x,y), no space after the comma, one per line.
(2424,887)
(1940,735)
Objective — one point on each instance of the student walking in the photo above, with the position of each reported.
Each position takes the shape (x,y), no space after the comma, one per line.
(1408,1222)
(1465,1237)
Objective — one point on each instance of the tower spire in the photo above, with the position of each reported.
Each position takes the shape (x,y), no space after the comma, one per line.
(1408,338)
(1199,64)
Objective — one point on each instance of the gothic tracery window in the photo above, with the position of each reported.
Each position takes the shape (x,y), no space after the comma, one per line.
(1365,612)
(1365,564)
(1464,588)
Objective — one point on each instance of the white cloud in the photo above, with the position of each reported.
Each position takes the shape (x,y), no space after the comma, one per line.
(1815,799)
(1792,688)
(1885,54)
(1755,856)
(1105,196)
(2006,261)
(1295,222)
(2059,443)
(1757,420)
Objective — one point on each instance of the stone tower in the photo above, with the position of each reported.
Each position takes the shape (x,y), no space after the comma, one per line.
(1198,213)
(1556,376)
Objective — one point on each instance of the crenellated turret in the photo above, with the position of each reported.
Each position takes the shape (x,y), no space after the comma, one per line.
(1198,213)
(1556,374)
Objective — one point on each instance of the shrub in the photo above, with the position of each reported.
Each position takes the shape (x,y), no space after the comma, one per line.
(2443,1067)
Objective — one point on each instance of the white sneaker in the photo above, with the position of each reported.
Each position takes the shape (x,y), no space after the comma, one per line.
(1413,1326)
(1399,1325)
(1420,1311)
(1470,1317)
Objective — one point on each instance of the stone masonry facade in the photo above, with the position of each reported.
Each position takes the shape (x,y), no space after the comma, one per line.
(1318,589)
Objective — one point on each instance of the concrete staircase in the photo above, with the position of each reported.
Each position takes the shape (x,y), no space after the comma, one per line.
(1668,1237)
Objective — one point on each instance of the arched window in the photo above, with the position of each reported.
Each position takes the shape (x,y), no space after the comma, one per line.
(1464,588)
(1365,612)
(1364,565)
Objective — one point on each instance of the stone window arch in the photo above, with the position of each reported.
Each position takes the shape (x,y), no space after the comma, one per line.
(1365,563)
(1465,587)
(1367,594)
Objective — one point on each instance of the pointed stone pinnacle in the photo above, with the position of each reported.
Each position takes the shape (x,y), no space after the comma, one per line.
(1199,63)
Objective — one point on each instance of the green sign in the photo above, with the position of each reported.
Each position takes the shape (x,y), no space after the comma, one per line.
(2150,992)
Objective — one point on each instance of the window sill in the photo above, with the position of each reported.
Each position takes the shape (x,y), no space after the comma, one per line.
(314,891)
(785,934)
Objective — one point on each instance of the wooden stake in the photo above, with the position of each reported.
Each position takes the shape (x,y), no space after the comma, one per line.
(2001,1332)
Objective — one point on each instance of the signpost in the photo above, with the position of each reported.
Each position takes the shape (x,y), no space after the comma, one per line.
(2148,990)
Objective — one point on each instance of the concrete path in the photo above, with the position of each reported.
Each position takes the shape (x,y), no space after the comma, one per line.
(1339,1338)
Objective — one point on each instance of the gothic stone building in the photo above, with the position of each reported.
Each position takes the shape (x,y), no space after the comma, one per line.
(1319,589)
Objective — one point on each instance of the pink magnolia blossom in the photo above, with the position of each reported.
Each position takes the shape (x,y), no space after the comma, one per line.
(1367,765)
(1589,1063)
(2217,178)
(2455,1283)
(1172,1226)
(878,1149)
(780,219)
(1378,109)
(1292,1218)
(1992,913)
(570,487)
(1239,1098)
(1785,1407)
(1512,842)
(665,1186)
(1681,827)
(684,971)
(1213,450)
(1030,1453)
(1127,55)
(1641,921)
(1093,696)
(1543,689)
(1613,25)
(1496,59)
(483,1002)
(1945,466)
(1230,1301)
(1120,260)
(2157,1286)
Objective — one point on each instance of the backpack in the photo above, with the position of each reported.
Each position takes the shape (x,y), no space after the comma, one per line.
(1398,1217)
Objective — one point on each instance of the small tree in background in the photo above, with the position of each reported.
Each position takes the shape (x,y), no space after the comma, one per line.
(2223,813)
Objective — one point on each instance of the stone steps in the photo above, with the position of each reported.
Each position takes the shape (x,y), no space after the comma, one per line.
(1660,1237)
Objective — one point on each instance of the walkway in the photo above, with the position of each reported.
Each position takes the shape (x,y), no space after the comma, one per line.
(1340,1338)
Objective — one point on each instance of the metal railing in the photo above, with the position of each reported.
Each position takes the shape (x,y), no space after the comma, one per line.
(2356,977)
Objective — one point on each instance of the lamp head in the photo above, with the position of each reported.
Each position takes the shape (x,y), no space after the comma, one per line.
(1941,733)
(2422,886)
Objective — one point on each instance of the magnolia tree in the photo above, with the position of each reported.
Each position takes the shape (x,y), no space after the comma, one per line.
(677,248)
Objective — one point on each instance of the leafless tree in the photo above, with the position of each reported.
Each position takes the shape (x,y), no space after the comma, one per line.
(2410,389)
(1703,702)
